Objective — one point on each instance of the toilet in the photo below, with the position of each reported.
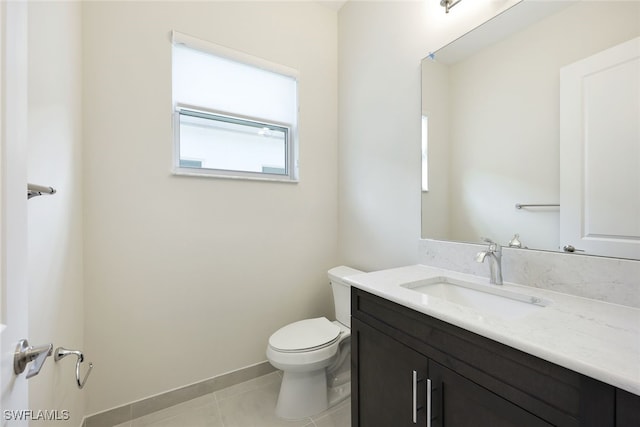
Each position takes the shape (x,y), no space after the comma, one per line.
(314,356)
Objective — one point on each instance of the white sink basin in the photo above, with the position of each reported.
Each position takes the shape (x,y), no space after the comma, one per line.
(492,299)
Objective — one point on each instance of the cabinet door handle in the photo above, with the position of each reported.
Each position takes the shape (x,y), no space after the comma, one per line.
(428,402)
(415,397)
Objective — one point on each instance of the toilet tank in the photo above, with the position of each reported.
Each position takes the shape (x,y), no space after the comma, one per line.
(342,292)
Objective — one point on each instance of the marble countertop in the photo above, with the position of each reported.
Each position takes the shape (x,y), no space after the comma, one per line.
(595,338)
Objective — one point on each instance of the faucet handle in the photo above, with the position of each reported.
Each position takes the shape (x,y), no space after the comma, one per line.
(515,241)
(493,246)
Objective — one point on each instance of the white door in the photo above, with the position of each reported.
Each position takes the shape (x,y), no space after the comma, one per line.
(600,152)
(13,206)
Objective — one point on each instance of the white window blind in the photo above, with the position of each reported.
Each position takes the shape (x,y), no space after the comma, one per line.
(211,81)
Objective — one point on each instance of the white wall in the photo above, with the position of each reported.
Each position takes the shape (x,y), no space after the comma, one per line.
(186,278)
(381,46)
(55,273)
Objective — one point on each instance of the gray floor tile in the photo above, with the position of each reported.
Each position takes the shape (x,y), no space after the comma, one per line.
(249,404)
(255,408)
(339,416)
(187,408)
(204,416)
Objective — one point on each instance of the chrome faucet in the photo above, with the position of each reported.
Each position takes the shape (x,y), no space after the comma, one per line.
(494,251)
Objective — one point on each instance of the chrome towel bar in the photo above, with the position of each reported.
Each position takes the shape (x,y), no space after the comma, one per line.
(544,205)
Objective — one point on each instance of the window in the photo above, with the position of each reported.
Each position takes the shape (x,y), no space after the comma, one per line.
(222,143)
(425,153)
(234,115)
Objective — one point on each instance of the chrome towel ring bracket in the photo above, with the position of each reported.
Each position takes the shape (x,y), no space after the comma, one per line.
(34,190)
(62,352)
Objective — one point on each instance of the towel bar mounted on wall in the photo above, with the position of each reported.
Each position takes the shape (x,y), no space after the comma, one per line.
(63,352)
(537,205)
(34,190)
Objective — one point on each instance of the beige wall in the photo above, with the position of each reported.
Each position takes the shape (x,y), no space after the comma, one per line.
(55,273)
(381,45)
(186,278)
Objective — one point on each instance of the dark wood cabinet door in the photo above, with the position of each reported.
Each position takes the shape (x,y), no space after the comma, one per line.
(459,402)
(627,409)
(382,380)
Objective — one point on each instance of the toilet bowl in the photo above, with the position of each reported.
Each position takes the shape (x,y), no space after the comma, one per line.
(314,356)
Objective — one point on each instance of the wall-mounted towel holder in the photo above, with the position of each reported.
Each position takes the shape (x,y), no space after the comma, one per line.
(537,205)
(63,352)
(34,190)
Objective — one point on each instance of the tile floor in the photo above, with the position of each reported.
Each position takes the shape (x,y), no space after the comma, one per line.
(249,404)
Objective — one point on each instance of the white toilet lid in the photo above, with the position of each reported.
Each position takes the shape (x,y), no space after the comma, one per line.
(305,335)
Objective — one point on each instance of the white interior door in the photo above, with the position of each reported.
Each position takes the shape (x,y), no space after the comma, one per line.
(600,152)
(13,206)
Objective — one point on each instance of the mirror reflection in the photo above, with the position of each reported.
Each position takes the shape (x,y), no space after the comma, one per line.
(501,128)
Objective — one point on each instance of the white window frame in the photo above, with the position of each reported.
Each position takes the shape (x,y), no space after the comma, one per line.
(292,143)
(288,176)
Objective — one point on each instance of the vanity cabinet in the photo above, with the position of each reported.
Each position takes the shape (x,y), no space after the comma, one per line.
(408,367)
(392,379)
(386,377)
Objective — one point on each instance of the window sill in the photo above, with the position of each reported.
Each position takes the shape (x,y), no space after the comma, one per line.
(182,172)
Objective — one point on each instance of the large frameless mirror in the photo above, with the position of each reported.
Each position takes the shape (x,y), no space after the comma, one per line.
(531,126)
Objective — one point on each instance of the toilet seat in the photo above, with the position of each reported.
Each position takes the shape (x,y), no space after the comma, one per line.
(305,335)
